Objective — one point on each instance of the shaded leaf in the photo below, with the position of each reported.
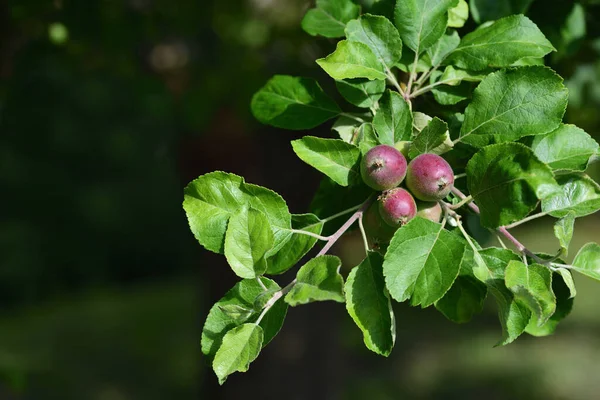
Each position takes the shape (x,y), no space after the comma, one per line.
(360,91)
(368,303)
(490,267)
(506,181)
(464,299)
(564,304)
(293,103)
(345,198)
(532,287)
(242,295)
(489,10)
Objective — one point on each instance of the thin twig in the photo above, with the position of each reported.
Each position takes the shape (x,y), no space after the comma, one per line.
(412,76)
(520,246)
(301,232)
(530,218)
(262,285)
(330,242)
(334,238)
(458,205)
(363,233)
(392,78)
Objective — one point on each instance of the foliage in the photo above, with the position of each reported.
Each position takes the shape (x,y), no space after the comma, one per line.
(505,109)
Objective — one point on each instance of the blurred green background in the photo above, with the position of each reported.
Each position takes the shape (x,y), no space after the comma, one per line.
(108,108)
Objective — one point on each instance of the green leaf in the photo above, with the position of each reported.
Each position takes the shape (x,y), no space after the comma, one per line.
(510,104)
(242,295)
(367,138)
(247,241)
(500,44)
(453,77)
(457,16)
(489,10)
(566,148)
(578,193)
(420,121)
(434,138)
(352,60)
(293,103)
(464,299)
(564,304)
(568,281)
(422,22)
(393,121)
(587,261)
(513,316)
(422,262)
(532,286)
(241,345)
(318,280)
(329,18)
(407,61)
(368,303)
(211,199)
(380,35)
(298,245)
(236,312)
(506,180)
(346,128)
(360,91)
(451,95)
(526,62)
(333,157)
(444,46)
(563,230)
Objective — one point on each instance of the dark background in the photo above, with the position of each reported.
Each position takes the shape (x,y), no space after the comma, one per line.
(108,108)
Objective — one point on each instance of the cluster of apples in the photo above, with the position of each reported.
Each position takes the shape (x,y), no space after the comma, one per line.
(428,178)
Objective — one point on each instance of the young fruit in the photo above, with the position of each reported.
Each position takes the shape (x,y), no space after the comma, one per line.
(397,207)
(378,232)
(383,167)
(429,177)
(429,210)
